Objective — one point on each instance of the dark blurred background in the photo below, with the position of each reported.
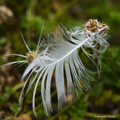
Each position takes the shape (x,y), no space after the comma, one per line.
(29,16)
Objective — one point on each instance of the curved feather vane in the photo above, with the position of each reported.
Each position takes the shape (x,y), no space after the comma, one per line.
(61,56)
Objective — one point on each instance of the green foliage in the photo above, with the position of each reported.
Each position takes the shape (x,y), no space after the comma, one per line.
(3,98)
(78,110)
(14,108)
(29,16)
(110,75)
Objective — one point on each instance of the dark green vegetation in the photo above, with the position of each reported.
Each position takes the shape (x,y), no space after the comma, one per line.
(29,16)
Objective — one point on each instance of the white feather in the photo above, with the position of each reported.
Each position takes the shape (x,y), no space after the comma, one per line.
(62,50)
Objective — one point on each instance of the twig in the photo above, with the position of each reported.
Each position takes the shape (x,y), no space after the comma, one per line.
(64,9)
(29,11)
(67,107)
(21,109)
(40,105)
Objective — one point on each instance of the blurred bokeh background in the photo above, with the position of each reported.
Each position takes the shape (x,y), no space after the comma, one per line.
(29,16)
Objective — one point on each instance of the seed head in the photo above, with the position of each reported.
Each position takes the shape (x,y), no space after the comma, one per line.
(31,56)
(94,26)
